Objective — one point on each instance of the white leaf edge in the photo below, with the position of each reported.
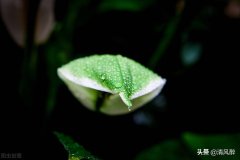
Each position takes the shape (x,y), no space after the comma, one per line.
(83,81)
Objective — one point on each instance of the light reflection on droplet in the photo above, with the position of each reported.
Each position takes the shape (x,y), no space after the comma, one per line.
(103,77)
(118,85)
(129,108)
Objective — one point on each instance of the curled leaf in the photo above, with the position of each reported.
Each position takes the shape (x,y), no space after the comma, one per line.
(117,81)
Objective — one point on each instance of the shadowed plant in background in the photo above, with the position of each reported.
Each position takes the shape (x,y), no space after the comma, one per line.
(180,40)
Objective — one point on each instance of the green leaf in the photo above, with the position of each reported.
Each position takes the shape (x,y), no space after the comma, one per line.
(167,150)
(187,147)
(165,41)
(126,82)
(129,5)
(76,151)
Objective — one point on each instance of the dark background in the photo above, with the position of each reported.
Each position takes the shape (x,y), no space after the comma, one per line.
(199,98)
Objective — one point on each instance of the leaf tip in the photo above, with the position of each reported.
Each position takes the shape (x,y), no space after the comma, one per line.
(126,100)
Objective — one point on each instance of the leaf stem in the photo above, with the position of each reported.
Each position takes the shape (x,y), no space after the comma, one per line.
(165,41)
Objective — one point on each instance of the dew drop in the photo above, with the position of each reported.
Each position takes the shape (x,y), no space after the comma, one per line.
(118,85)
(129,108)
(103,77)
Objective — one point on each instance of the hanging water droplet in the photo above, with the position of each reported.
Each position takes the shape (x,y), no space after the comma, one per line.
(129,108)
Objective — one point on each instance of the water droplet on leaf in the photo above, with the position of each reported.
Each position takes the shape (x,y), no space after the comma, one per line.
(118,85)
(103,77)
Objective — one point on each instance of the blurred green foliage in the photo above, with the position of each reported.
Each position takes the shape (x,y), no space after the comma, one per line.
(76,151)
(184,148)
(166,150)
(213,141)
(127,5)
(187,147)
(192,47)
